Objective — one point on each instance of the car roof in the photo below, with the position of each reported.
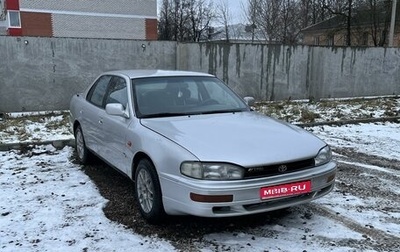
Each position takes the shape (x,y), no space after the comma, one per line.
(133,74)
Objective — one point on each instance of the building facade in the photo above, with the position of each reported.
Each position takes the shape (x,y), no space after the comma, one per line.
(324,35)
(368,27)
(113,19)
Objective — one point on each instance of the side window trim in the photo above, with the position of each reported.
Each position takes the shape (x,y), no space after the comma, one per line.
(93,89)
(115,85)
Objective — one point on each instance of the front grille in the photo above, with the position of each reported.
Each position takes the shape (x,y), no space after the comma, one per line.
(278,169)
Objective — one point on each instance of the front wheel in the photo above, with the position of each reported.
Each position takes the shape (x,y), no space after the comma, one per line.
(148,192)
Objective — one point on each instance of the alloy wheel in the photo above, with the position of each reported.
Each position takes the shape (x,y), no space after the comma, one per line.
(145,190)
(80,145)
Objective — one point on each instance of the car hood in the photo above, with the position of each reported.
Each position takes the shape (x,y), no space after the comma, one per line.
(245,138)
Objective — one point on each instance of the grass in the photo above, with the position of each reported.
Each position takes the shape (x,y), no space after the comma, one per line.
(331,109)
(23,126)
(308,116)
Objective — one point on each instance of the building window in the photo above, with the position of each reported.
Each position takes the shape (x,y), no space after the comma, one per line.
(316,40)
(14,19)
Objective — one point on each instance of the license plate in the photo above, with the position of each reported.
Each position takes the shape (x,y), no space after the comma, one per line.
(285,190)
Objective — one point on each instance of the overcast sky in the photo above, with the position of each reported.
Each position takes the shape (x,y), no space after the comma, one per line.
(235,8)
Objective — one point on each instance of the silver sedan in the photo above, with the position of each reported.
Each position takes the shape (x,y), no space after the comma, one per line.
(193,146)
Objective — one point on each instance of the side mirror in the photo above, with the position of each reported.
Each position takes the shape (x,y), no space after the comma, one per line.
(116,109)
(249,100)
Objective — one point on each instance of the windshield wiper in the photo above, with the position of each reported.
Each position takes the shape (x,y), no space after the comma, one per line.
(222,111)
(171,114)
(165,114)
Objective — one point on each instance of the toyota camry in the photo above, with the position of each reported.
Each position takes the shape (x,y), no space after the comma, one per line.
(193,146)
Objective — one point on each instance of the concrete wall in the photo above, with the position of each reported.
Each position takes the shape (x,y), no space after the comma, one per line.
(276,72)
(43,73)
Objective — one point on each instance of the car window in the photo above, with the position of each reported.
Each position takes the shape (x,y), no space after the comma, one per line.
(117,91)
(185,95)
(215,92)
(98,91)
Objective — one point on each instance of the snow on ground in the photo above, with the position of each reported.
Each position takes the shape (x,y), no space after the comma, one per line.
(34,127)
(380,139)
(48,204)
(290,234)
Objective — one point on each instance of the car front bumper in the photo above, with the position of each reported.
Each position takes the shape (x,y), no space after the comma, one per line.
(241,197)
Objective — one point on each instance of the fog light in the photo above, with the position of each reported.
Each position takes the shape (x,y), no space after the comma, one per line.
(211,198)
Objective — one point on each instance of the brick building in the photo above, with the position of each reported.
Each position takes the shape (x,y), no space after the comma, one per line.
(114,19)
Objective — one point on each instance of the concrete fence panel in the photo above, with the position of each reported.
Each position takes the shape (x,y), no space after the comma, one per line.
(277,72)
(43,73)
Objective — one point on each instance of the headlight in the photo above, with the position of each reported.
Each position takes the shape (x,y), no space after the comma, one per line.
(324,156)
(212,171)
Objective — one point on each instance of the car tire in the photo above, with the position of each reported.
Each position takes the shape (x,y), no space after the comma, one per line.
(148,192)
(82,151)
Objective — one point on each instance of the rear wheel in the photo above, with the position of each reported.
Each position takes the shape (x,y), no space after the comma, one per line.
(80,146)
(148,192)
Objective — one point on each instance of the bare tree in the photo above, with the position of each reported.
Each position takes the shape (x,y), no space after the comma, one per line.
(378,13)
(165,21)
(363,18)
(342,8)
(252,17)
(291,21)
(312,12)
(200,15)
(263,16)
(278,20)
(224,17)
(184,20)
(2,10)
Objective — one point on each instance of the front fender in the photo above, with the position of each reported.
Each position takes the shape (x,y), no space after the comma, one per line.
(165,154)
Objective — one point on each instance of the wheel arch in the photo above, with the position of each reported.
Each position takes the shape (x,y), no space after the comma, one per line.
(75,126)
(136,159)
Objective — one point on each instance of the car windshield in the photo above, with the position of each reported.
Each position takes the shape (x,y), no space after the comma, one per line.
(185,95)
